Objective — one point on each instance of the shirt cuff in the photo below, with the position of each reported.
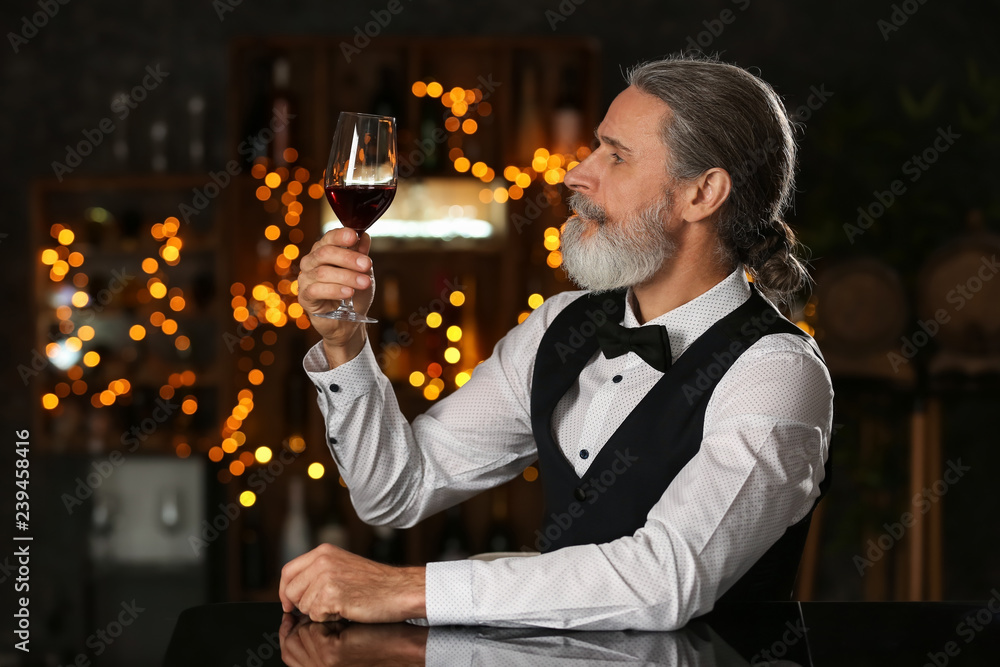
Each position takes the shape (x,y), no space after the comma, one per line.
(346,382)
(449,593)
(454,646)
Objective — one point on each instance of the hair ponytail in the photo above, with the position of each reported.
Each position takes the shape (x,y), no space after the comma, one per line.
(774,262)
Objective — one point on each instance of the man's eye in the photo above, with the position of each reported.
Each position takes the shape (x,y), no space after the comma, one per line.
(617,158)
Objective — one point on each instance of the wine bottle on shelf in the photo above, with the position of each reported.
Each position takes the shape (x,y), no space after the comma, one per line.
(470,335)
(296,401)
(253,566)
(501,537)
(258,113)
(567,118)
(196,144)
(454,543)
(388,547)
(119,145)
(396,356)
(530,133)
(295,539)
(333,531)
(431,130)
(282,108)
(158,135)
(387,101)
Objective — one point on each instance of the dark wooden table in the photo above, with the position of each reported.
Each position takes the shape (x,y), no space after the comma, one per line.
(935,634)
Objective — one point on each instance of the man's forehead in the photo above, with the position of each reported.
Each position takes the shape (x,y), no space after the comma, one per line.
(633,117)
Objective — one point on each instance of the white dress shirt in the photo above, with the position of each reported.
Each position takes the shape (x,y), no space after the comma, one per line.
(765,440)
(533,648)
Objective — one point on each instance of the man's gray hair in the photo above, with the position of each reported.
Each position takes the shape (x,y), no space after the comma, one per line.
(723,116)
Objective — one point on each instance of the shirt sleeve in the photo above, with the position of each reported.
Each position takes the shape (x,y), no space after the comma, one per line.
(476,438)
(757,472)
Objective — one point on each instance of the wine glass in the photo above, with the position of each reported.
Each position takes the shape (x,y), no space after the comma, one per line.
(360,181)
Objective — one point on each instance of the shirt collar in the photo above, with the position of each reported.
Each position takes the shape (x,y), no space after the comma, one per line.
(687,322)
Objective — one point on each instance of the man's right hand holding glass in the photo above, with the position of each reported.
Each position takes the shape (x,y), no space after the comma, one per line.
(333,270)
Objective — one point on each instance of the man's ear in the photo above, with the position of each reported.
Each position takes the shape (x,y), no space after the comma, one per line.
(704,195)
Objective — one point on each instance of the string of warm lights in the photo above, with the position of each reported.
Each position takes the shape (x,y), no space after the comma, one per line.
(61,260)
(267,303)
(549,167)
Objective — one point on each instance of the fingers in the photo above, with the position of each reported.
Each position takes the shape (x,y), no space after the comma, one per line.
(289,572)
(317,601)
(344,237)
(293,653)
(336,255)
(288,624)
(327,275)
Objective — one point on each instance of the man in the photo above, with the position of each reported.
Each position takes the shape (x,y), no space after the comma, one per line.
(674,457)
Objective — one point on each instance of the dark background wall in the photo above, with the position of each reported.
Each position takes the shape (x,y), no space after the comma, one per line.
(879,95)
(889,92)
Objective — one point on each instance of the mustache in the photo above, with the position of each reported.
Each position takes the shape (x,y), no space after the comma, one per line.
(584,208)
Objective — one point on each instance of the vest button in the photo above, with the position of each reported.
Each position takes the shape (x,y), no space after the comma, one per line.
(584,453)
(333,440)
(334,387)
(617,378)
(579,494)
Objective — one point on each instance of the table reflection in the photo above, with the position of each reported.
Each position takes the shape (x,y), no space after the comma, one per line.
(260,635)
(817,634)
(307,644)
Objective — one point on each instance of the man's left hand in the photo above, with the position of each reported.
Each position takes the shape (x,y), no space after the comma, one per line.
(330,584)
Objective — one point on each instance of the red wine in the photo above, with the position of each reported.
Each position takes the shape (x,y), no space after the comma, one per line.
(358,206)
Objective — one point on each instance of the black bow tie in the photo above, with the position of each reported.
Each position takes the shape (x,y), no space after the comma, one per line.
(651,343)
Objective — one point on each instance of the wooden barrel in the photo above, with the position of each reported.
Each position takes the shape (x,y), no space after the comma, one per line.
(861,307)
(959,289)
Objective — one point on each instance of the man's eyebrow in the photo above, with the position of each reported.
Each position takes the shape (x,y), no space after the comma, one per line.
(611,141)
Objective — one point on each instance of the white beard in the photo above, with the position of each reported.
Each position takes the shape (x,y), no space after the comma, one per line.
(624,254)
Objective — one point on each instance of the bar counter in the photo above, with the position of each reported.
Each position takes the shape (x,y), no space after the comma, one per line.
(784,633)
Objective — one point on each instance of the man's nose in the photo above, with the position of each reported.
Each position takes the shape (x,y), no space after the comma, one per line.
(581,178)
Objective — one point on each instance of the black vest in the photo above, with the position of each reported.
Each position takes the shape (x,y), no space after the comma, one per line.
(657,439)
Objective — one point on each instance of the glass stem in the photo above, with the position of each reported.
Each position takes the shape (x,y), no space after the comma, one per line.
(348,303)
